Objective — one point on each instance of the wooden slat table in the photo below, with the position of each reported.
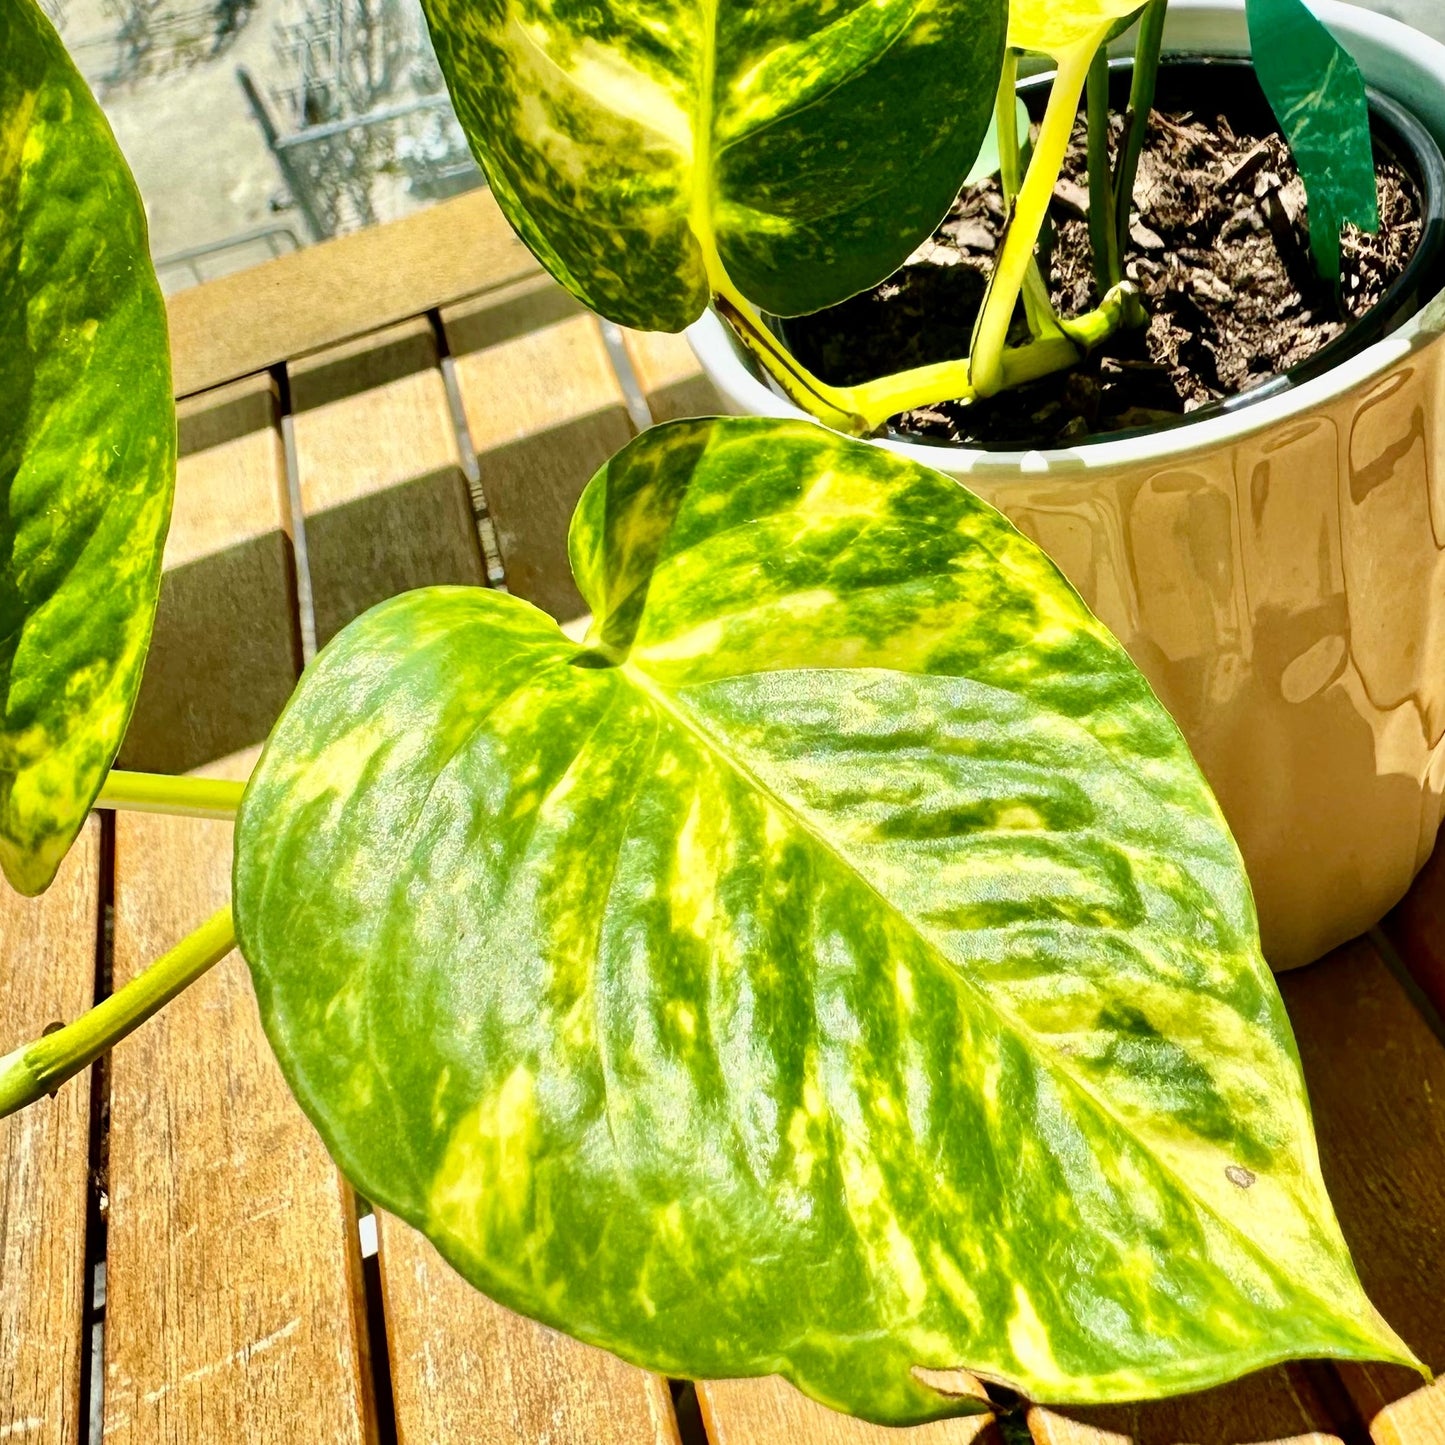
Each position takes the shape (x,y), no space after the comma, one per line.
(179,1259)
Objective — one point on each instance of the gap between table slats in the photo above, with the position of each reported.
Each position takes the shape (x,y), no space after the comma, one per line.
(48,963)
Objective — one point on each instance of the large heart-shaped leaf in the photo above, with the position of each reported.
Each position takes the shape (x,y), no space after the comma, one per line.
(1318,96)
(836,966)
(651,152)
(87,447)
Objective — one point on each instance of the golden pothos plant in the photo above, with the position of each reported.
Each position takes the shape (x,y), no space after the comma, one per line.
(661,155)
(834,965)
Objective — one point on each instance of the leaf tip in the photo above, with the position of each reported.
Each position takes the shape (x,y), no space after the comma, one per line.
(28,871)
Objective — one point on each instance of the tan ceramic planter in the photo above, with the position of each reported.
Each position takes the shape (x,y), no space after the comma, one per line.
(1278,574)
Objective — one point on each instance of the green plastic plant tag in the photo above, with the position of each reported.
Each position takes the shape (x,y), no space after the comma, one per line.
(835,966)
(87,447)
(652,152)
(1318,97)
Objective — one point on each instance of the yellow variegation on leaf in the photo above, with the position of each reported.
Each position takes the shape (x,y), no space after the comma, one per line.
(87,446)
(835,966)
(785,153)
(1057,27)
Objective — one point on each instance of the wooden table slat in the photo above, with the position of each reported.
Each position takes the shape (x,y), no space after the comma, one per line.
(382,486)
(47,974)
(671,377)
(227,645)
(464,1368)
(1280,1404)
(234,1309)
(545,410)
(241,324)
(1376,1073)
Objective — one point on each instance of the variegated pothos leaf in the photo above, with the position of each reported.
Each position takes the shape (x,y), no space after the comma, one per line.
(646,149)
(836,966)
(87,446)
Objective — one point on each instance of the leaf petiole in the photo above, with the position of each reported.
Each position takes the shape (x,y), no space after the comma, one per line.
(1103,237)
(823,402)
(1147,51)
(164,793)
(948,380)
(870,404)
(1042,319)
(1027,221)
(39,1068)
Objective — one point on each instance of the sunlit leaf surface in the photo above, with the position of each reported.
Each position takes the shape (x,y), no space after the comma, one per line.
(651,152)
(87,446)
(1054,27)
(835,966)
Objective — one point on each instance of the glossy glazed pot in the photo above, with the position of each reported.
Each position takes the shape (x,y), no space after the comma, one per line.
(1278,572)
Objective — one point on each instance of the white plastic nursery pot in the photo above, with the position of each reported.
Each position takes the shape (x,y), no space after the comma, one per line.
(1277,572)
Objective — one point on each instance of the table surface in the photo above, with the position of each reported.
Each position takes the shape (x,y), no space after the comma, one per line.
(179,1259)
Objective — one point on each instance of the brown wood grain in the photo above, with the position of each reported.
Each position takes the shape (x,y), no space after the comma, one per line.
(671,377)
(323,294)
(47,975)
(234,1308)
(545,410)
(742,1412)
(382,486)
(464,1368)
(1376,1073)
(226,649)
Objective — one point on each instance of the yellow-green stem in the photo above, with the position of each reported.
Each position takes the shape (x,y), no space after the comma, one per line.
(828,404)
(41,1067)
(1038,308)
(163,793)
(991,336)
(873,402)
(1121,309)
(948,380)
(1006,110)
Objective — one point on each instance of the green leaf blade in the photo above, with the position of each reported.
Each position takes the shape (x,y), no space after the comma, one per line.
(857,976)
(648,151)
(87,448)
(1318,96)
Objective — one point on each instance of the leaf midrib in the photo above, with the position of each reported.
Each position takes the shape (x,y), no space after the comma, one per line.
(1055,1062)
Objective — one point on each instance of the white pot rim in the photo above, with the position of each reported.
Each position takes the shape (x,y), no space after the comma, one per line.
(1395,58)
